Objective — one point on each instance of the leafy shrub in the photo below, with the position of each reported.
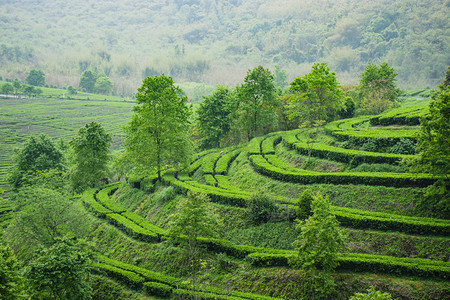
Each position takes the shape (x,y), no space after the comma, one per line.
(371,295)
(346,145)
(260,208)
(370,146)
(404,146)
(303,210)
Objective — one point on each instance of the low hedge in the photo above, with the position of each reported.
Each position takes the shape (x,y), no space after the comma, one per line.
(426,268)
(132,228)
(210,180)
(144,223)
(201,295)
(409,115)
(387,222)
(366,178)
(217,195)
(102,196)
(269,143)
(130,278)
(209,163)
(356,262)
(158,289)
(158,284)
(147,274)
(254,146)
(225,161)
(92,204)
(350,156)
(224,183)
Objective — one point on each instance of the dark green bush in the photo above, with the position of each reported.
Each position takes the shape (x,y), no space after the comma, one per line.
(303,210)
(404,146)
(369,146)
(260,208)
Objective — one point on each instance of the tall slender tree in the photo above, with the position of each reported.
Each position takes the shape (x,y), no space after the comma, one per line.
(214,117)
(91,155)
(158,133)
(257,98)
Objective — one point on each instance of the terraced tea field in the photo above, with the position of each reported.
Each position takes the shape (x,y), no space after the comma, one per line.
(22,118)
(263,164)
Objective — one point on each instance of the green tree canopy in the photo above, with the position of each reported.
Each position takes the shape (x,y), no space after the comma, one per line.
(90,156)
(44,215)
(103,85)
(35,78)
(214,117)
(17,85)
(158,133)
(7,88)
(194,217)
(318,95)
(12,283)
(87,81)
(61,271)
(39,154)
(377,88)
(257,100)
(71,90)
(320,238)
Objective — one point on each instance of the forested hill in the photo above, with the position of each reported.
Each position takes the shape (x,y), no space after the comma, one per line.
(216,41)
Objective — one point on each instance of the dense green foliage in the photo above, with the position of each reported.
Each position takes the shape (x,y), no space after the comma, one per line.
(36,78)
(433,152)
(12,283)
(158,133)
(318,95)
(257,100)
(90,148)
(377,87)
(39,154)
(220,40)
(143,224)
(60,271)
(214,117)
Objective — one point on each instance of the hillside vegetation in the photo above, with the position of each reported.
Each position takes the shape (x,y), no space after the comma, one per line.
(215,42)
(391,242)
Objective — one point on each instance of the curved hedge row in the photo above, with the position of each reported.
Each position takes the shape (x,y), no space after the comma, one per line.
(6,213)
(158,284)
(103,197)
(216,194)
(409,115)
(357,262)
(347,216)
(127,221)
(225,161)
(286,173)
(354,157)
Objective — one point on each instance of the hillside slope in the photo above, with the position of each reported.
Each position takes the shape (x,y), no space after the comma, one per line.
(217,41)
